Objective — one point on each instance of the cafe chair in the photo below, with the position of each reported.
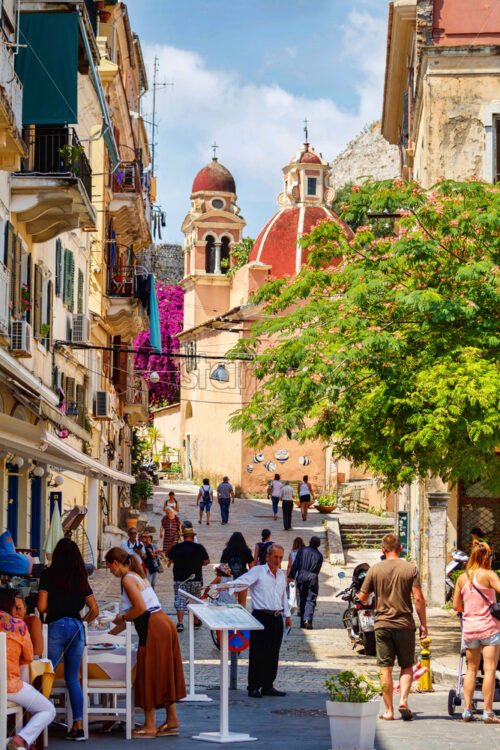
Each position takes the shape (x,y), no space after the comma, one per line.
(59,688)
(120,656)
(7,708)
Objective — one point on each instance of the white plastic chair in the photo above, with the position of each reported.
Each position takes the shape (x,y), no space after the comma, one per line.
(114,688)
(58,686)
(7,708)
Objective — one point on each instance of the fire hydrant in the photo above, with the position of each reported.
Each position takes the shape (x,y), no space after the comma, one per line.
(425,681)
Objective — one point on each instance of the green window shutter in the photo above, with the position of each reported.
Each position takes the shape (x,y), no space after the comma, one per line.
(71,303)
(29,283)
(80,404)
(80,291)
(55,379)
(48,313)
(37,311)
(58,268)
(6,244)
(70,392)
(18,308)
(12,269)
(65,279)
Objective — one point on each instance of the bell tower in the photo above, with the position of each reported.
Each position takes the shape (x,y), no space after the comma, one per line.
(212,226)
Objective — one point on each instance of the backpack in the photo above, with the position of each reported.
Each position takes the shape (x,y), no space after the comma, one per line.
(205,496)
(237,567)
(263,552)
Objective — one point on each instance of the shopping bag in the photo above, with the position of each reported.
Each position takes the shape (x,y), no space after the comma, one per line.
(292,597)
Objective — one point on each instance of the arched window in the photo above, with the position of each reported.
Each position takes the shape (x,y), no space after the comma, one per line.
(225,260)
(189,410)
(210,255)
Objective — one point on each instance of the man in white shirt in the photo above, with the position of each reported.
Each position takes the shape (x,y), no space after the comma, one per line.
(287,494)
(267,584)
(133,546)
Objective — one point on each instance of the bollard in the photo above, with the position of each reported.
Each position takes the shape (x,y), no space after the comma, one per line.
(233,672)
(425,682)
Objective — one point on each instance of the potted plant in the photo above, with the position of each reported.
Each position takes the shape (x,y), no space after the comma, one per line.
(326,503)
(140,493)
(352,710)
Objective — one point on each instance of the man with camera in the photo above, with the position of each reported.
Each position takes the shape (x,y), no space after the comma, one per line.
(133,546)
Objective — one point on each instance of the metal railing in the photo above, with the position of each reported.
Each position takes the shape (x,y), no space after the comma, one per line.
(123,280)
(56,151)
(127,179)
(137,393)
(11,85)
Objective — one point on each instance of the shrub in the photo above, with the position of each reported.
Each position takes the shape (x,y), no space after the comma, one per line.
(349,687)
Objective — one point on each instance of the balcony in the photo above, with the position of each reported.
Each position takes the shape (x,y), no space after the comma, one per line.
(136,402)
(53,189)
(127,207)
(126,299)
(12,146)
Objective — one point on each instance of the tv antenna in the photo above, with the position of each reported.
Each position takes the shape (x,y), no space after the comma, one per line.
(156,87)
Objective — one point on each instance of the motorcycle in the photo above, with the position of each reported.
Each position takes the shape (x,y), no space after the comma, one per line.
(458,561)
(358,618)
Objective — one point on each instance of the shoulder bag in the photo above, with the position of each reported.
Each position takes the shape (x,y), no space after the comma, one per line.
(494,608)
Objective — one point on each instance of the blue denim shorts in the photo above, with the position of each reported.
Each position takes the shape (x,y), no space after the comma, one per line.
(205,505)
(492,640)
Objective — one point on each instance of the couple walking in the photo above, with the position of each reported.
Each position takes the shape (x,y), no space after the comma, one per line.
(225,494)
(277,490)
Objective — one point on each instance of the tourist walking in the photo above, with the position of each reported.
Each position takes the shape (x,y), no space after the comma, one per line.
(267,585)
(152,561)
(170,530)
(133,545)
(159,680)
(20,650)
(305,571)
(297,543)
(475,592)
(205,499)
(239,557)
(273,491)
(225,494)
(63,592)
(171,502)
(188,558)
(287,494)
(394,583)
(306,496)
(260,551)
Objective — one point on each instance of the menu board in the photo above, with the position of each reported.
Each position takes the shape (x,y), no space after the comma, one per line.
(225,617)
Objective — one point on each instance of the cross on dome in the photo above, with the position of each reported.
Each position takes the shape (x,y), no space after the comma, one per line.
(215,147)
(306,130)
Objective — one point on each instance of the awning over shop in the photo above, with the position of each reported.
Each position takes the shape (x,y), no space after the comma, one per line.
(36,443)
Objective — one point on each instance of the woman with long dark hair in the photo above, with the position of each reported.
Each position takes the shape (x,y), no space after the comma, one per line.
(475,592)
(159,681)
(238,555)
(63,592)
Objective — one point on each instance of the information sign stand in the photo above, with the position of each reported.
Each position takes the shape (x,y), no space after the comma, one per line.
(224,618)
(193,696)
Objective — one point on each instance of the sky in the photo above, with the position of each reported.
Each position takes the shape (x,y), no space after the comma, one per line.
(245,75)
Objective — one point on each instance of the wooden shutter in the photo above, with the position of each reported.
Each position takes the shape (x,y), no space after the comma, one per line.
(71,303)
(48,312)
(69,280)
(59,259)
(18,308)
(80,404)
(79,302)
(55,379)
(37,303)
(29,283)
(70,392)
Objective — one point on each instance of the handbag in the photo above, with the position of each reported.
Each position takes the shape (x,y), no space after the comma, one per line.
(494,608)
(292,597)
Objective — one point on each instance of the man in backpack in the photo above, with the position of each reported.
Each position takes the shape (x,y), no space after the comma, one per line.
(205,500)
(225,494)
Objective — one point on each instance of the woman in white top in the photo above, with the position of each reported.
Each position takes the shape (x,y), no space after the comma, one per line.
(159,673)
(205,499)
(298,542)
(273,491)
(306,496)
(171,502)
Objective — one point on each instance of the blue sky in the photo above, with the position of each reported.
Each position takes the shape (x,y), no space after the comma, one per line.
(246,74)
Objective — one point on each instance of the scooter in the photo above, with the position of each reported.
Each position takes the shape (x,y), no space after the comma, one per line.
(358,618)
(458,561)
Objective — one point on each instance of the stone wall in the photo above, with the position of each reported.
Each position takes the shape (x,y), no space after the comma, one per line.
(165,262)
(369,154)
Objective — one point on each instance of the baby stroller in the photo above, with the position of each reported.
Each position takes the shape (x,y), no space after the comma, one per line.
(455,696)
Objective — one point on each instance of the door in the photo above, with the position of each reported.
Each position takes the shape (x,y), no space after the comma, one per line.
(189,468)
(36,513)
(12,500)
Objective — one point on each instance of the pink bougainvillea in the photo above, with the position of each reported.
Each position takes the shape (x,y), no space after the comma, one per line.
(166,391)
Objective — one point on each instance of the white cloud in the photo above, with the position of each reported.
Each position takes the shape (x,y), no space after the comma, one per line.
(258,127)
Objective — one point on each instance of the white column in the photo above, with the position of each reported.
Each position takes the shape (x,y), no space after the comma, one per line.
(217,268)
(93,515)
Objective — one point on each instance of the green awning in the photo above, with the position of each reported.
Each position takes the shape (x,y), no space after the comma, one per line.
(48,66)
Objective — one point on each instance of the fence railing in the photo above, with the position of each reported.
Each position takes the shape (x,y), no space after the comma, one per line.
(127,178)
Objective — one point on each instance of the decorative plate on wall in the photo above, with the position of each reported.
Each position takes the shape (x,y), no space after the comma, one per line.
(304,460)
(258,458)
(270,465)
(249,468)
(282,456)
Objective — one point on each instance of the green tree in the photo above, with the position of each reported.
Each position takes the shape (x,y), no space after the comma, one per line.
(389,346)
(240,255)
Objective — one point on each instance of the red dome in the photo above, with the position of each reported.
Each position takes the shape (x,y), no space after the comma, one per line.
(214,178)
(309,158)
(276,245)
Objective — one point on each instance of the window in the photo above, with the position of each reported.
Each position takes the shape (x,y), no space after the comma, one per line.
(79,302)
(59,268)
(209,255)
(194,361)
(217,203)
(311,185)
(225,259)
(187,357)
(69,280)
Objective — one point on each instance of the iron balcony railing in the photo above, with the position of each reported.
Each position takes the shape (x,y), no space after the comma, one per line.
(127,178)
(126,281)
(137,393)
(56,151)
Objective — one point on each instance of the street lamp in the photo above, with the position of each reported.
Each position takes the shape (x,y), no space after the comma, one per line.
(154,377)
(220,374)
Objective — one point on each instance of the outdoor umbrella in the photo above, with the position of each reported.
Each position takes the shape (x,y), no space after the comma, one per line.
(55,531)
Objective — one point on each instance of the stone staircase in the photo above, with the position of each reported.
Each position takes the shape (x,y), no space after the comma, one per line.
(360,535)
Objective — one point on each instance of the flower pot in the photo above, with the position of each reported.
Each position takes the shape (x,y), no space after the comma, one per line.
(132,518)
(325,508)
(352,725)
(104,16)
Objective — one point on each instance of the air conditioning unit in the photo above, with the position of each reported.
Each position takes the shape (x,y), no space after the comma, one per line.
(20,338)
(80,329)
(4,299)
(102,406)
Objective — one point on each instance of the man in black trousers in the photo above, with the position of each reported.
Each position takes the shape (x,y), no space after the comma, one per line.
(305,571)
(267,584)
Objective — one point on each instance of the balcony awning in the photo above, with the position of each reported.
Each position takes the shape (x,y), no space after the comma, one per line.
(107,126)
(154,318)
(36,443)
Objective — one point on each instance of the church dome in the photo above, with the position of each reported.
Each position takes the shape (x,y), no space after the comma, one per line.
(214,178)
(308,157)
(277,244)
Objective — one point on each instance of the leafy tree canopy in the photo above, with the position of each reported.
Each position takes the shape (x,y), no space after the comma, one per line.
(389,346)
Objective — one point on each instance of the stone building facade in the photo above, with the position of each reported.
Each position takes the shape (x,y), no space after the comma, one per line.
(165,262)
(367,155)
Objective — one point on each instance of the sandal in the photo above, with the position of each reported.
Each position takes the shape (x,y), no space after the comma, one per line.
(405,712)
(468,715)
(166,731)
(489,717)
(142,734)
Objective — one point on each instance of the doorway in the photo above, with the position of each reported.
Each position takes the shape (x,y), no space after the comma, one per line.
(36,513)
(12,500)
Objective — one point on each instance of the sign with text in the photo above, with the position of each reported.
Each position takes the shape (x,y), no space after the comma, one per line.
(225,617)
(403,530)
